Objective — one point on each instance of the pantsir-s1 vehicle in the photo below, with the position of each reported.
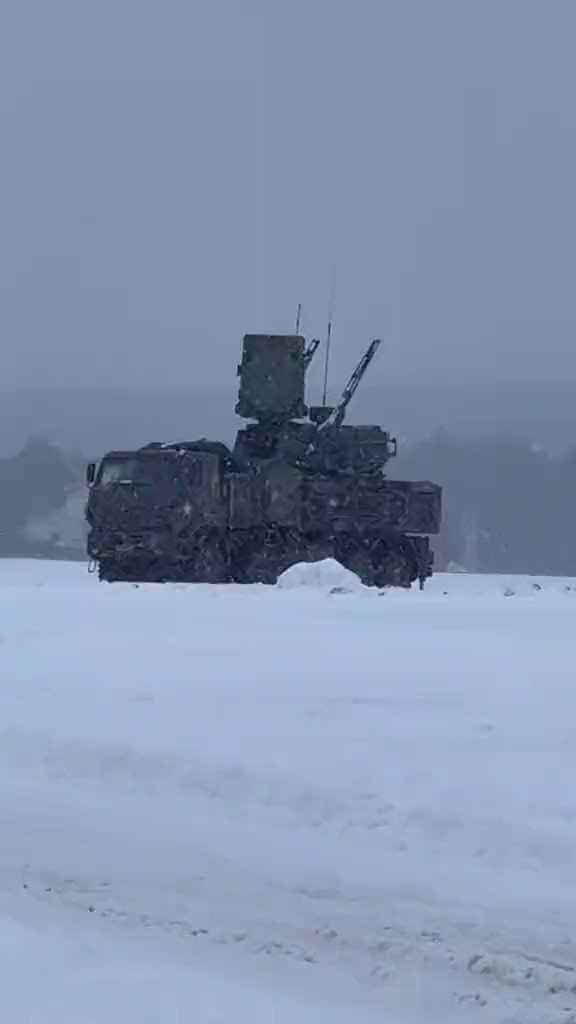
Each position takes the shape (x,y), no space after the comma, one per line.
(298,485)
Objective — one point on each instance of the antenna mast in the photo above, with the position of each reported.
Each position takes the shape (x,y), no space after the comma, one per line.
(298,316)
(329,334)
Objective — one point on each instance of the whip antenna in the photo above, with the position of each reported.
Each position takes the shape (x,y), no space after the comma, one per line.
(329,334)
(298,316)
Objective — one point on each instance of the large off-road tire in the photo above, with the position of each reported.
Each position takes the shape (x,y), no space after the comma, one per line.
(139,567)
(262,556)
(202,558)
(379,561)
(355,556)
(210,562)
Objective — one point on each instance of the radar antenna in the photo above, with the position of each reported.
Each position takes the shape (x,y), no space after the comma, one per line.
(336,417)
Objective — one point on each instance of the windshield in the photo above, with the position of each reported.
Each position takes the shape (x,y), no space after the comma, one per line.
(140,471)
(121,471)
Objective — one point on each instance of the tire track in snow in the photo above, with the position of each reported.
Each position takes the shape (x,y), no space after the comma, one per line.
(476,970)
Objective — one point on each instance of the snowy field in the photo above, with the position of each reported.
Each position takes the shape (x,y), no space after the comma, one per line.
(275,805)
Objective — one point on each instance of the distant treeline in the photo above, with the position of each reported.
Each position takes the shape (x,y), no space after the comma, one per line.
(508,506)
(41,500)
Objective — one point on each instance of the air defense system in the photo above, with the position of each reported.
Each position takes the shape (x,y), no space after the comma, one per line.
(298,485)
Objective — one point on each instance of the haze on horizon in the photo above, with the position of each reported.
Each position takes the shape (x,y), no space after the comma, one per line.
(177,174)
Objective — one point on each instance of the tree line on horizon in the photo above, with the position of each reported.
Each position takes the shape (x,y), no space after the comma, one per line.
(508,505)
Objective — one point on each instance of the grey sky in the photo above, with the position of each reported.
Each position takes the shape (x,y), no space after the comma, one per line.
(177,173)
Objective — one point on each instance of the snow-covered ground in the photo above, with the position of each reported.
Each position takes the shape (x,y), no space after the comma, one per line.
(266,805)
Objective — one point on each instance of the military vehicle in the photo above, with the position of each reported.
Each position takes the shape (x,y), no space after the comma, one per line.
(298,485)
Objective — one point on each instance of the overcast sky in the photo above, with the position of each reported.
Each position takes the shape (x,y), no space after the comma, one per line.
(175,174)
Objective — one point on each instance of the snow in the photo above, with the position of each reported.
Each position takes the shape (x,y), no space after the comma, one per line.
(325,574)
(265,804)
